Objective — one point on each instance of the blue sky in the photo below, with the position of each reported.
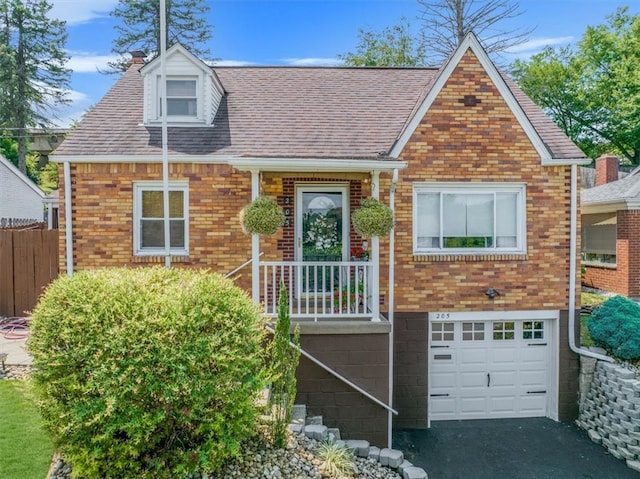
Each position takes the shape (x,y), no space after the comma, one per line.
(297,32)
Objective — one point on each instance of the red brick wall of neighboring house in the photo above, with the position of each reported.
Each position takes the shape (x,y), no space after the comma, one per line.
(624,278)
(480,143)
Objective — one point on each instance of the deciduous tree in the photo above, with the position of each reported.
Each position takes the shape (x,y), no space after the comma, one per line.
(445,23)
(592,91)
(392,47)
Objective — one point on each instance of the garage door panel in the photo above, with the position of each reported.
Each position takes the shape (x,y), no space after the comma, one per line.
(533,354)
(441,407)
(503,404)
(507,356)
(499,371)
(443,380)
(473,405)
(472,358)
(533,404)
(503,378)
(533,378)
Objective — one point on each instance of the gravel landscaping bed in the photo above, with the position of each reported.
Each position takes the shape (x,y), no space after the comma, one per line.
(261,461)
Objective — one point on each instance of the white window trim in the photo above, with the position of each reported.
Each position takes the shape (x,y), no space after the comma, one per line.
(173,119)
(138,188)
(469,188)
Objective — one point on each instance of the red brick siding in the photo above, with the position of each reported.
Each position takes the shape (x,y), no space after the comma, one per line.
(482,143)
(625,277)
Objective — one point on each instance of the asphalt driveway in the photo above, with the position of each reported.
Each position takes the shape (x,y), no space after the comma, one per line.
(534,448)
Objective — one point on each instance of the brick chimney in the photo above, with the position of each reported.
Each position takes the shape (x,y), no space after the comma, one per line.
(137,57)
(606,169)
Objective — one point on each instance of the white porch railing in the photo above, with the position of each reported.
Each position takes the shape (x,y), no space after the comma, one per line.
(320,290)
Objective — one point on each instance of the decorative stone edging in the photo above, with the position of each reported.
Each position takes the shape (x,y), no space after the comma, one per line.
(392,458)
(610,408)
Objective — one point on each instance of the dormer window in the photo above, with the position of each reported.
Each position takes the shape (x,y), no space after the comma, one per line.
(182,99)
(193,91)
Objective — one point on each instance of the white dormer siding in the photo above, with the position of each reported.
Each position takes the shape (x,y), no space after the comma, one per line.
(194,92)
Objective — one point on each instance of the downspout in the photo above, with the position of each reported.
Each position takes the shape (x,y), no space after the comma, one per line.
(68,227)
(572,272)
(391,302)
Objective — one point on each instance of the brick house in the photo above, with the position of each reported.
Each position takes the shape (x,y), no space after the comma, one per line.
(611,230)
(462,312)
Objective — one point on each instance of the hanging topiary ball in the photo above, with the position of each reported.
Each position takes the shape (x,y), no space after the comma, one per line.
(373,218)
(262,216)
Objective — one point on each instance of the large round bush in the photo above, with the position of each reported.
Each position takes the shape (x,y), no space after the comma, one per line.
(615,326)
(147,373)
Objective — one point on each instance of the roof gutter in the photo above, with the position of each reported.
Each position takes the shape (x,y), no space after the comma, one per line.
(565,161)
(320,165)
(572,272)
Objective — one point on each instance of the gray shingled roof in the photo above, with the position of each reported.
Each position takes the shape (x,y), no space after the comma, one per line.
(628,188)
(285,112)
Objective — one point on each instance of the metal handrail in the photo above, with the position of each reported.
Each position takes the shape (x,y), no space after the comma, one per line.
(246,263)
(337,374)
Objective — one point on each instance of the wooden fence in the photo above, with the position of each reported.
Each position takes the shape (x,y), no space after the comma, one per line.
(28,263)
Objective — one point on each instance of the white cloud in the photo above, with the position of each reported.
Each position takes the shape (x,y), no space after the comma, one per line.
(307,62)
(538,44)
(85,62)
(230,63)
(80,11)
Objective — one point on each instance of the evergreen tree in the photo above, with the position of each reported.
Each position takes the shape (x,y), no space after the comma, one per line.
(140,28)
(33,76)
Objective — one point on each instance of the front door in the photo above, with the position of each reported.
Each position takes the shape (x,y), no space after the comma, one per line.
(322,222)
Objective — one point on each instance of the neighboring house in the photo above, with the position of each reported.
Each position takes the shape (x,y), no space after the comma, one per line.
(21,201)
(461,313)
(611,230)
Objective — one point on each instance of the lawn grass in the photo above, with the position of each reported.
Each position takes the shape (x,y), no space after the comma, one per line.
(585,338)
(588,299)
(26,449)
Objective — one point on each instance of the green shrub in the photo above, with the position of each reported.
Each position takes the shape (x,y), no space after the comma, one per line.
(615,326)
(147,373)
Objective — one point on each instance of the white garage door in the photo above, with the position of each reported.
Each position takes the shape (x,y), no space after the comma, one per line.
(488,369)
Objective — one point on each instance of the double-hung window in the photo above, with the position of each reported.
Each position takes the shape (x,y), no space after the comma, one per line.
(148,228)
(468,218)
(182,98)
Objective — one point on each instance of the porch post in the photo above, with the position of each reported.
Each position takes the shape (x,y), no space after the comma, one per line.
(375,251)
(255,243)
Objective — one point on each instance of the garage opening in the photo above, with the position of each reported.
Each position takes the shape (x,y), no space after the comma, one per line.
(502,367)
